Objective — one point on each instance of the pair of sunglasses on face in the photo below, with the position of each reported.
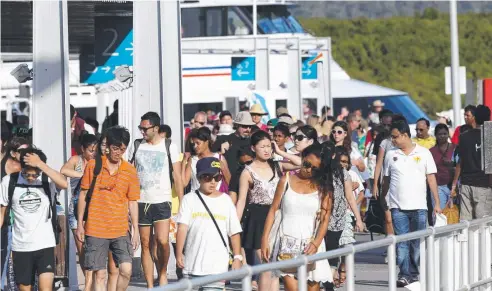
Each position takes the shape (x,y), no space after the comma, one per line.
(27,175)
(209,177)
(299,137)
(308,165)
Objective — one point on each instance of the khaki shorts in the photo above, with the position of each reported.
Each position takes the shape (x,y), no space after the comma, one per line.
(96,251)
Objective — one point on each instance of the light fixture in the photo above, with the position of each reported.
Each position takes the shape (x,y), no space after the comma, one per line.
(22,73)
(123,73)
(282,85)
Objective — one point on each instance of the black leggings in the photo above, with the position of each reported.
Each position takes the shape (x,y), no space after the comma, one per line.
(332,242)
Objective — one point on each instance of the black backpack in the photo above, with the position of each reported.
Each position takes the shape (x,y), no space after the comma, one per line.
(46,187)
(139,141)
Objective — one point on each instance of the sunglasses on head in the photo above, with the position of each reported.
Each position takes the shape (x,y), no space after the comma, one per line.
(209,177)
(308,165)
(339,132)
(299,137)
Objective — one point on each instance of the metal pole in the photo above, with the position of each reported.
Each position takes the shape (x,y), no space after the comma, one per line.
(464,237)
(392,266)
(255,18)
(430,263)
(349,268)
(487,256)
(455,61)
(302,277)
(423,264)
(294,100)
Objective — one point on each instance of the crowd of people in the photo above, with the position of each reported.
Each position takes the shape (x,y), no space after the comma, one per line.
(245,190)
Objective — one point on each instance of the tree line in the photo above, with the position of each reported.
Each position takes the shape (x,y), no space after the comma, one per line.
(409,53)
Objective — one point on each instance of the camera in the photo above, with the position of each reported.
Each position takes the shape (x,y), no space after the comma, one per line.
(22,73)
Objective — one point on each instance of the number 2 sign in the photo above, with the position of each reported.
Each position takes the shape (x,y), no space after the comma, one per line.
(114,41)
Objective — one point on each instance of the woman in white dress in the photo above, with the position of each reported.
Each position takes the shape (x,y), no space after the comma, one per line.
(305,200)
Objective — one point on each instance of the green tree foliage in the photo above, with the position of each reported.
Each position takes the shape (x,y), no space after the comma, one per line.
(409,53)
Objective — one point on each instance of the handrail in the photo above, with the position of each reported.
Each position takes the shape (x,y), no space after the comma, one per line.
(300,262)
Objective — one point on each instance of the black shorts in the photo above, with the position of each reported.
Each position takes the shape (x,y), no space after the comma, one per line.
(27,264)
(148,214)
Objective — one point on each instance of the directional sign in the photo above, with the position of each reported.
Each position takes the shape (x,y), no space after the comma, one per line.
(113,48)
(114,41)
(309,72)
(243,68)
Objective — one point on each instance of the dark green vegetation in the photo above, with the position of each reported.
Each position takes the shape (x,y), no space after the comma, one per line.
(380,9)
(409,53)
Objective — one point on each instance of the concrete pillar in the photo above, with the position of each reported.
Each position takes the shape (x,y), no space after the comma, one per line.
(51,98)
(262,65)
(294,100)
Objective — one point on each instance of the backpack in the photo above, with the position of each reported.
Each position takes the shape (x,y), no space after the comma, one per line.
(46,187)
(168,142)
(88,196)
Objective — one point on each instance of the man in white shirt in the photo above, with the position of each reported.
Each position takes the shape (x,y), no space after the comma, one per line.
(33,229)
(207,219)
(407,169)
(159,168)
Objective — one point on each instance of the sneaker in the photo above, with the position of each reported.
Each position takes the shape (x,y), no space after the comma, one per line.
(402,282)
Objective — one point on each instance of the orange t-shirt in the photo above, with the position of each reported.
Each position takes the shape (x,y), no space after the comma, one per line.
(108,208)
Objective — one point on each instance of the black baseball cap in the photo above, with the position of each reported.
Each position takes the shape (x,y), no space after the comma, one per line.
(209,165)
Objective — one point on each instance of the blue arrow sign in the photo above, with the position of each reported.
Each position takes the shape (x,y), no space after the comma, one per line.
(243,69)
(309,72)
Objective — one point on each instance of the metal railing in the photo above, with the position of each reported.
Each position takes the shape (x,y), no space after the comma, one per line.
(459,253)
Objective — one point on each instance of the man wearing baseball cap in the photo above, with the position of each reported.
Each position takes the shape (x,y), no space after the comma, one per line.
(207,219)
(229,145)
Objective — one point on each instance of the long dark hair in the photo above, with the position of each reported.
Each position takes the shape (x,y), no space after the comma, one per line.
(310,132)
(255,139)
(204,134)
(13,145)
(347,141)
(322,177)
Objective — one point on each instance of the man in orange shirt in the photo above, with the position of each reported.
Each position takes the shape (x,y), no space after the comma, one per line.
(114,193)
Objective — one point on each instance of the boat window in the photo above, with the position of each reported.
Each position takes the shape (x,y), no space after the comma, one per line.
(191,22)
(277,19)
(214,22)
(235,25)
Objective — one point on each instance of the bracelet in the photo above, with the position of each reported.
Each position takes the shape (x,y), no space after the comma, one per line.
(314,245)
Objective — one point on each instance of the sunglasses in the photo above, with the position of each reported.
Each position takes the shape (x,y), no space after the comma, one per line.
(144,129)
(208,177)
(308,165)
(299,137)
(26,175)
(339,132)
(246,126)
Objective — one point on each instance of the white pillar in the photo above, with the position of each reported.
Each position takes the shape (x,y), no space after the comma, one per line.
(262,64)
(51,98)
(101,109)
(294,100)
(147,85)
(324,77)
(157,63)
(170,52)
(455,60)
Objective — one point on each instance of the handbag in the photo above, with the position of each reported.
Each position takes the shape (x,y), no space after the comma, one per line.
(451,212)
(231,257)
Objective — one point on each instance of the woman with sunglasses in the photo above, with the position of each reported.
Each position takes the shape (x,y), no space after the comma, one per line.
(340,135)
(305,200)
(257,186)
(10,163)
(342,196)
(202,143)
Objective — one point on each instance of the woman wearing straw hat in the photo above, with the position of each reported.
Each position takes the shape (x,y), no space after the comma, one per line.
(257,113)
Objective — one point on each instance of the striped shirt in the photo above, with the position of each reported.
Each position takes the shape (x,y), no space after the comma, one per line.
(108,209)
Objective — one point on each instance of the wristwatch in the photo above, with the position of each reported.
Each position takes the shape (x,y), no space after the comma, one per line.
(238,257)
